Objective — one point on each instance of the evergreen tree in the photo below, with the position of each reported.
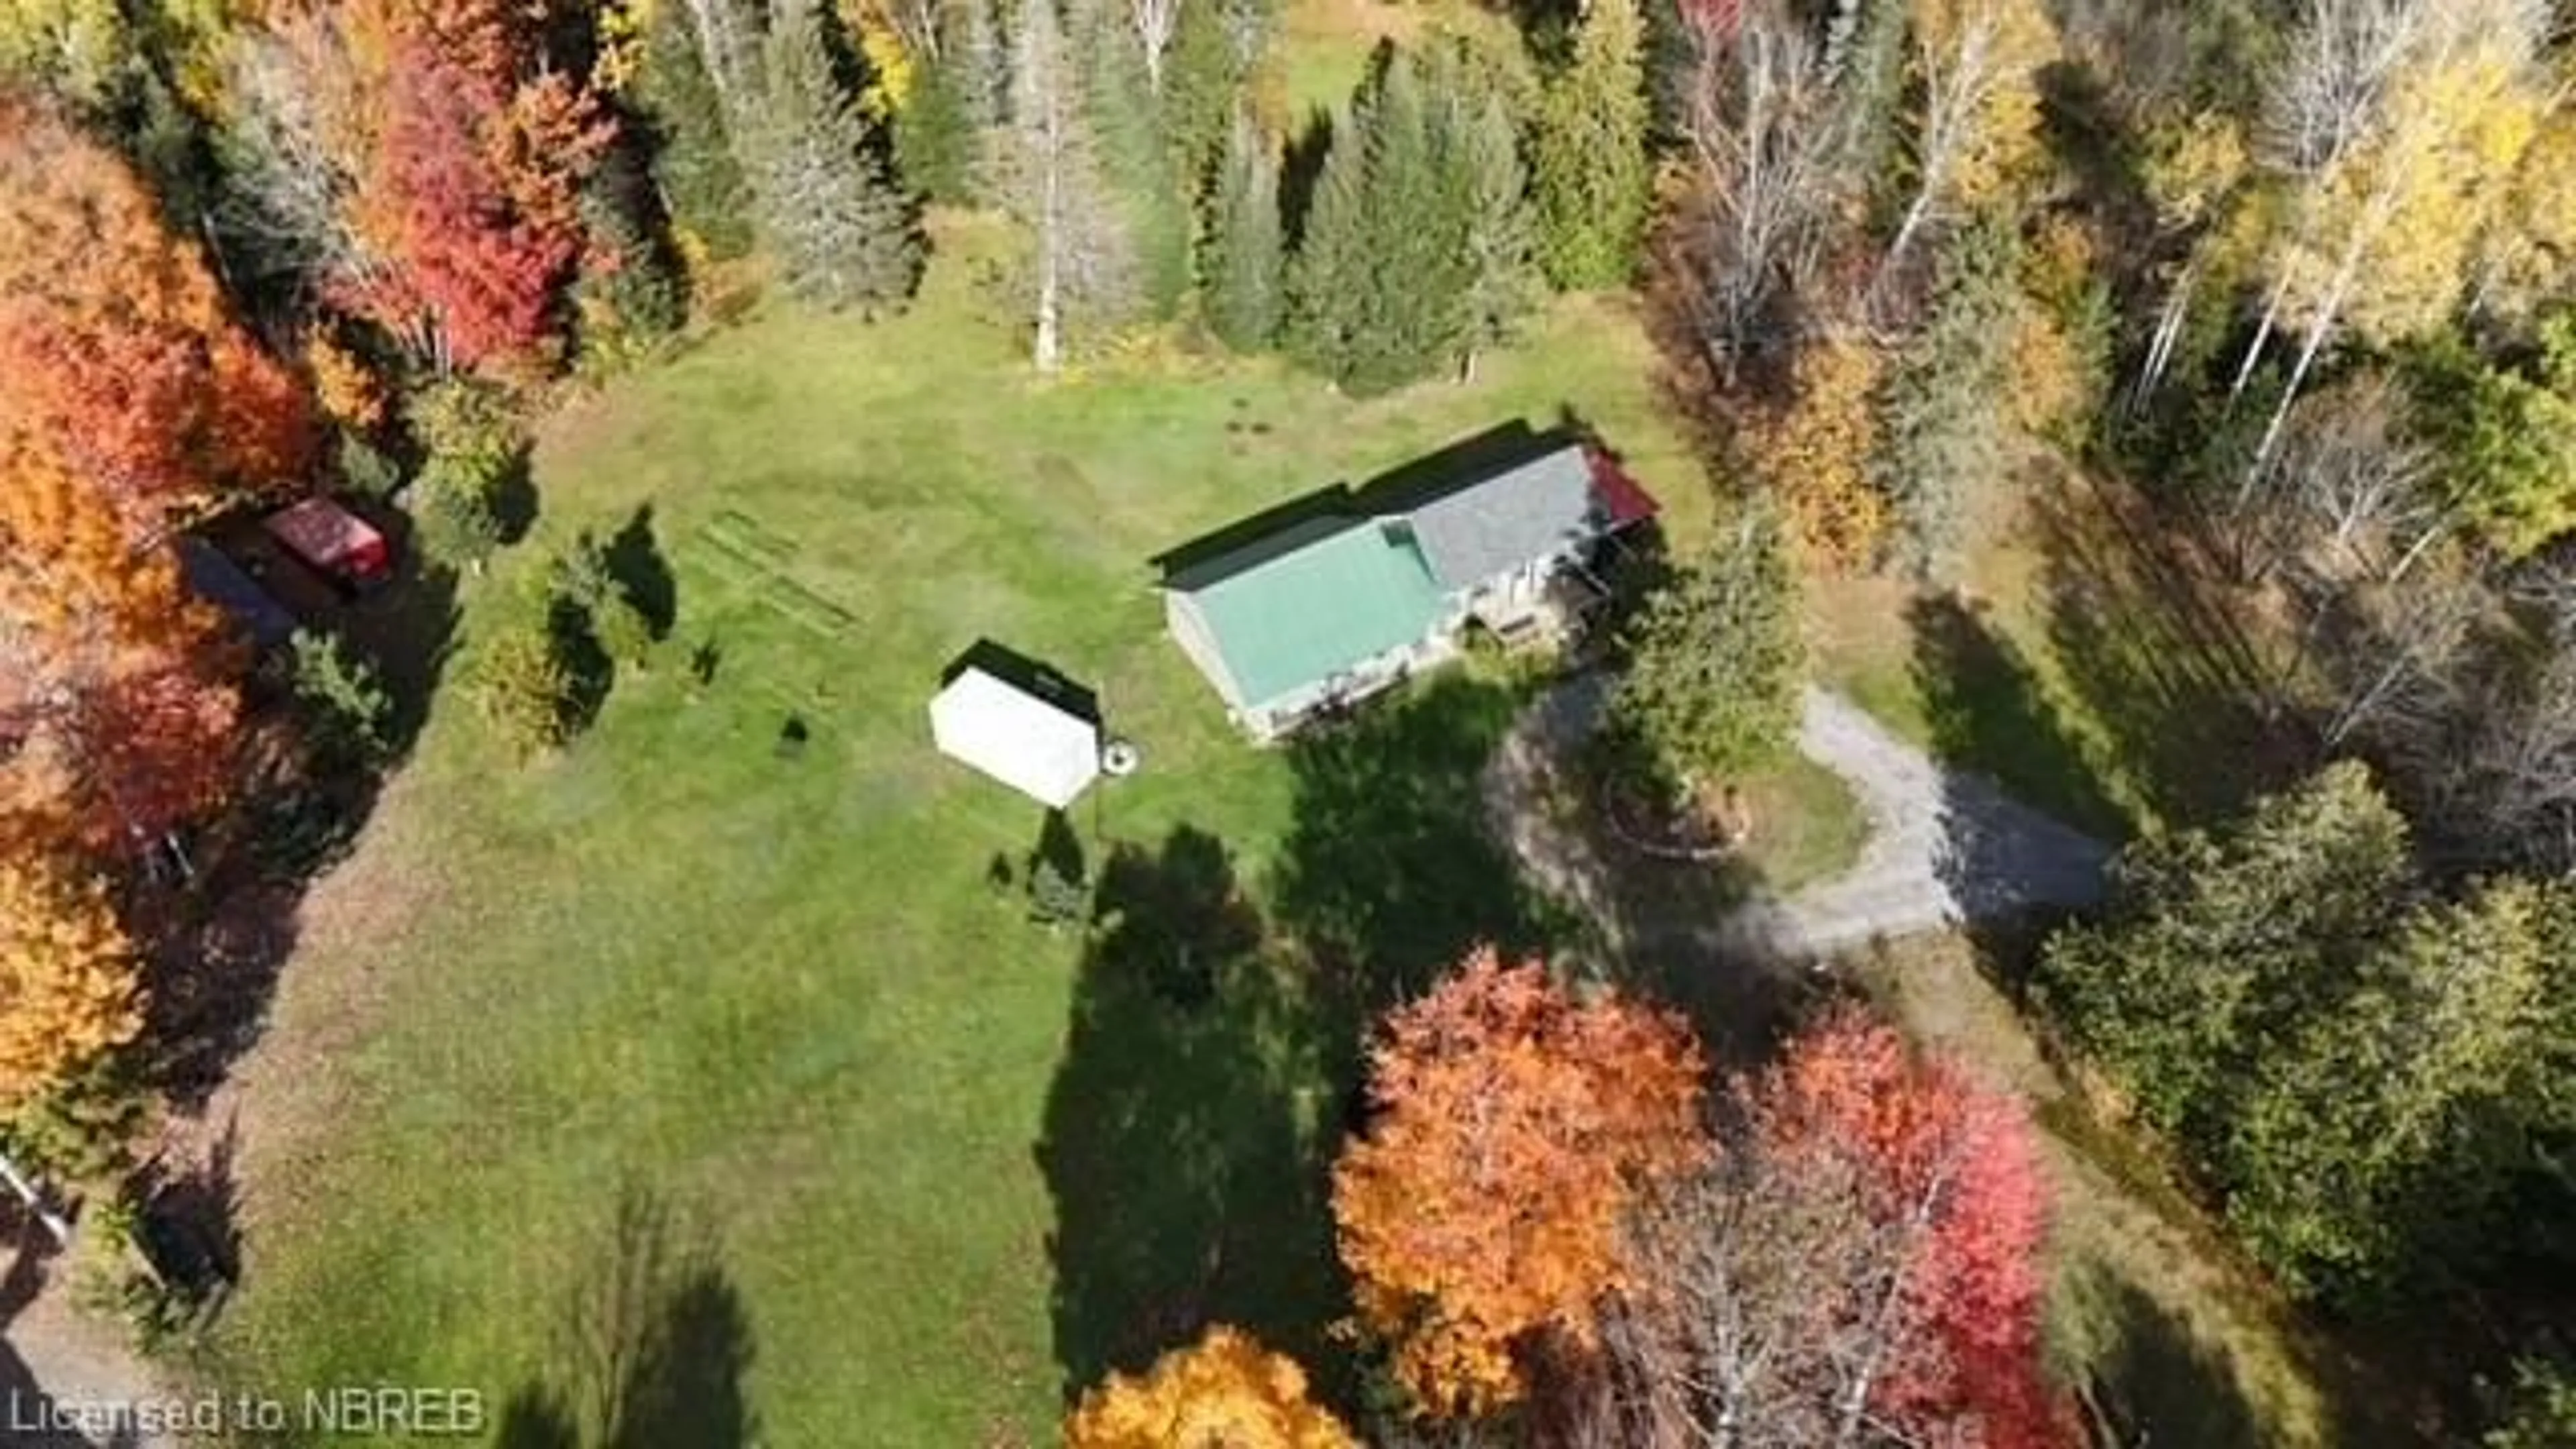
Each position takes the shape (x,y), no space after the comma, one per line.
(1244,279)
(1715,662)
(2216,941)
(1151,185)
(2367,1132)
(694,165)
(980,64)
(631,291)
(1946,425)
(1331,265)
(935,135)
(1486,166)
(1384,273)
(1589,153)
(841,234)
(1080,268)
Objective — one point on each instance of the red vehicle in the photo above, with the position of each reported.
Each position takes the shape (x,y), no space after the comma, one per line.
(335,542)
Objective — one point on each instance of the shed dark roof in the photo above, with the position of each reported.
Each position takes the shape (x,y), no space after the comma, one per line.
(221,582)
(1513,518)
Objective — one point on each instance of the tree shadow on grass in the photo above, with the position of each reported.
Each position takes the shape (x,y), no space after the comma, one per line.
(2158,1381)
(651,1348)
(1989,714)
(1390,873)
(213,943)
(637,563)
(1189,1126)
(2157,649)
(2024,823)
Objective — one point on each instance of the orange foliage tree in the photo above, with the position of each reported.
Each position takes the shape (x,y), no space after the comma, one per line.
(1481,1212)
(67,978)
(1224,1392)
(116,353)
(116,715)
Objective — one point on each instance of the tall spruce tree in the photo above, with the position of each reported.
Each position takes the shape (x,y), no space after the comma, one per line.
(1947,441)
(694,165)
(1486,165)
(631,291)
(1080,275)
(935,134)
(841,233)
(1331,265)
(1414,251)
(1243,298)
(1715,662)
(1591,176)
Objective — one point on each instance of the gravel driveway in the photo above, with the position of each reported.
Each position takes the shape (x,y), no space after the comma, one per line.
(1944,846)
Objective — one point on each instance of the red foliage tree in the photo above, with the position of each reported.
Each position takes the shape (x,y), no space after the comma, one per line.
(1954,1169)
(468,196)
(1860,1266)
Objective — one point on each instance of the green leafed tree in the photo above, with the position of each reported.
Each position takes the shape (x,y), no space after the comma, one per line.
(2216,940)
(694,166)
(1243,290)
(1588,155)
(2541,1413)
(841,233)
(2370,1124)
(2506,436)
(1715,661)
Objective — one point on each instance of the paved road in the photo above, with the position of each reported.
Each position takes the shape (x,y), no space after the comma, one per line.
(1944,846)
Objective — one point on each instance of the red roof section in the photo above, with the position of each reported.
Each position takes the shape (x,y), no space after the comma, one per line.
(1625,497)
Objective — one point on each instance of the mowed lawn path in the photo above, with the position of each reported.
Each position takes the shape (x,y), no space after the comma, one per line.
(699,1080)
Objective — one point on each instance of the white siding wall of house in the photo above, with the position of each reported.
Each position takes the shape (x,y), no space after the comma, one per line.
(1181,616)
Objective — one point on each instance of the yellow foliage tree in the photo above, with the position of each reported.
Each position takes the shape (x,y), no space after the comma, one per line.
(890,60)
(1224,1392)
(75,49)
(2391,197)
(343,383)
(68,990)
(1482,1211)
(1813,456)
(2529,255)
(1974,132)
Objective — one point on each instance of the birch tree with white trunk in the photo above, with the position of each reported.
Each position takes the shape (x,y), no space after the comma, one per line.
(1975,121)
(1756,115)
(1081,269)
(2399,125)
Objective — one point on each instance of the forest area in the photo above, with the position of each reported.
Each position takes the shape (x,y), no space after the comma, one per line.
(2277,296)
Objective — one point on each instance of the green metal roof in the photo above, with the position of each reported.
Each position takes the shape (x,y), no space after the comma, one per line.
(1298,617)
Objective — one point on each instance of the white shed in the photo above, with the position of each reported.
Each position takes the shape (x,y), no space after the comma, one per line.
(1034,744)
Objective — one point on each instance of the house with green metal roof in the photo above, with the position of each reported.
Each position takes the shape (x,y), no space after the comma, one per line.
(1362,588)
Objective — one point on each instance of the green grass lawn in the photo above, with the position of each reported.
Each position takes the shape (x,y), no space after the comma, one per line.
(2086,662)
(692,1051)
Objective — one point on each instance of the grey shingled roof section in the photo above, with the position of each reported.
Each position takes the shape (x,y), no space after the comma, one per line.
(1506,521)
